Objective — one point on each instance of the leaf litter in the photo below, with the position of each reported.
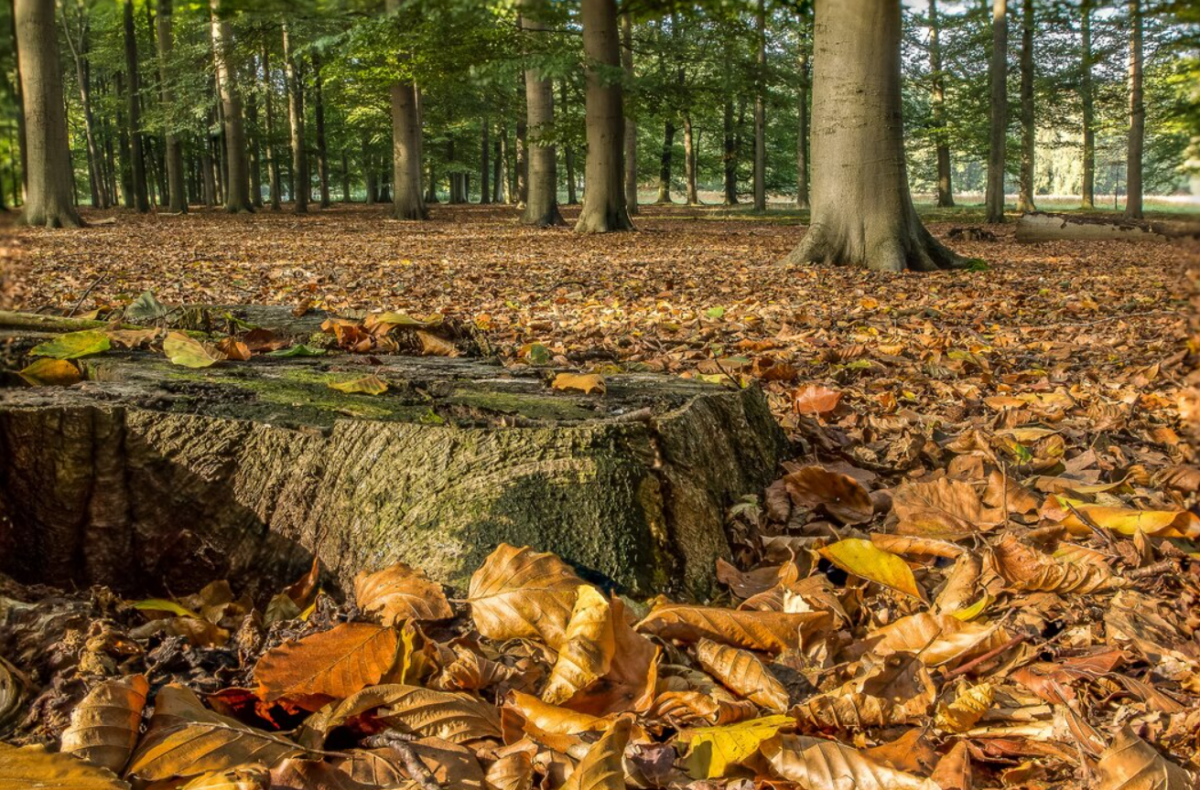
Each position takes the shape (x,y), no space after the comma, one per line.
(982,570)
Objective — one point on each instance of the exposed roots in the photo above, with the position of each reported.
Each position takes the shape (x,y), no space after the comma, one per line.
(916,250)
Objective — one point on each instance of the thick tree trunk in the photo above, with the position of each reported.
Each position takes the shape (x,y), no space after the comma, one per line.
(1025,200)
(504,191)
(664,165)
(604,207)
(138,170)
(863,213)
(730,155)
(541,202)
(945,188)
(1137,116)
(254,148)
(1087,100)
(408,201)
(345,177)
(237,181)
(272,155)
(17,99)
(689,160)
(208,182)
(295,90)
(50,189)
(319,114)
(631,176)
(760,111)
(174,151)
(497,171)
(802,131)
(998,75)
(485,163)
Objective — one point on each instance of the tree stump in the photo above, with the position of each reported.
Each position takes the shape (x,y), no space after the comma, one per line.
(149,477)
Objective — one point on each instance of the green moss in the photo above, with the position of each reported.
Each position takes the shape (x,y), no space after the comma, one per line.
(534,407)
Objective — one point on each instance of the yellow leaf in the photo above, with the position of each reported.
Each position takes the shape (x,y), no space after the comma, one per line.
(587,651)
(163,605)
(434,346)
(713,749)
(401,593)
(51,373)
(365,385)
(1129,521)
(250,777)
(602,768)
(73,345)
(33,767)
(186,352)
(519,593)
(967,709)
(583,382)
(864,559)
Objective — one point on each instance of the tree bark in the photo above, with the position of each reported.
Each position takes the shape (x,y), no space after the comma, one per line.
(805,37)
(522,163)
(541,200)
(1137,116)
(604,207)
(295,89)
(254,146)
(177,194)
(369,172)
(664,165)
(269,106)
(138,170)
(345,177)
(237,181)
(689,160)
(631,177)
(485,163)
(945,188)
(760,111)
(408,200)
(1087,100)
(50,190)
(863,213)
(319,114)
(998,75)
(18,98)
(1025,201)
(78,44)
(504,191)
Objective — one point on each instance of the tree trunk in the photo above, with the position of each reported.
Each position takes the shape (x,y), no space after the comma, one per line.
(254,148)
(689,160)
(319,113)
(79,53)
(140,201)
(504,192)
(1025,201)
(272,156)
(1137,116)
(206,172)
(863,213)
(237,182)
(485,163)
(17,99)
(604,207)
(998,75)
(295,89)
(50,188)
(541,201)
(369,173)
(345,177)
(664,165)
(522,157)
(125,162)
(1087,100)
(407,197)
(631,177)
(177,194)
(730,155)
(945,188)
(760,112)
(497,171)
(805,36)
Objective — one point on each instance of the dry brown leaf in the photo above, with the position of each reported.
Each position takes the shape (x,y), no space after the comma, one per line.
(104,726)
(742,672)
(587,652)
(815,400)
(841,496)
(898,690)
(327,665)
(186,739)
(602,767)
(771,632)
(234,349)
(944,508)
(245,778)
(519,593)
(953,772)
(33,767)
(434,346)
(401,593)
(826,765)
(937,639)
(966,709)
(552,718)
(1132,764)
(1026,568)
(457,718)
(511,772)
(629,684)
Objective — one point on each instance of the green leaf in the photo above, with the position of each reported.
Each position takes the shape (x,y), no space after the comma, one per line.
(298,350)
(713,749)
(715,312)
(367,385)
(51,373)
(73,345)
(864,559)
(145,308)
(163,605)
(186,352)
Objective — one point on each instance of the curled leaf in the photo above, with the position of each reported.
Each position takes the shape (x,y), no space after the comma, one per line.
(104,726)
(863,559)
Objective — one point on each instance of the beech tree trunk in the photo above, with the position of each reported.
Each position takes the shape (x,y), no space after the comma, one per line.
(945,188)
(141,200)
(998,75)
(345,176)
(1025,201)
(485,163)
(254,148)
(1137,116)
(295,90)
(664,165)
(604,208)
(322,150)
(802,200)
(730,155)
(863,213)
(689,160)
(272,156)
(760,112)
(237,176)
(541,202)
(50,189)
(503,189)
(521,155)
(17,98)
(631,177)
(1087,100)
(177,193)
(78,43)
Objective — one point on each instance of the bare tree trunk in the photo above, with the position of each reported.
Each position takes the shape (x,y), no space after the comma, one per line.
(802,66)
(295,90)
(998,74)
(631,177)
(17,99)
(78,44)
(731,190)
(522,163)
(369,172)
(541,201)
(140,201)
(50,189)
(174,153)
(604,194)
(1137,116)
(485,163)
(504,192)
(254,147)
(1025,201)
(664,165)
(237,183)
(345,177)
(760,112)
(319,113)
(689,160)
(272,156)
(945,187)
(1087,99)
(863,213)
(407,196)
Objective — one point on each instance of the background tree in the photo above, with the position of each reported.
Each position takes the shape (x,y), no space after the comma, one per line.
(604,196)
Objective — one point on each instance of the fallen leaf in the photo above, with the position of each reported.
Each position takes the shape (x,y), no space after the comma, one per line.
(189,353)
(742,672)
(51,373)
(73,345)
(841,496)
(583,382)
(712,750)
(587,650)
(32,767)
(816,400)
(401,593)
(331,664)
(1132,764)
(519,593)
(828,765)
(863,559)
(104,725)
(364,385)
(601,768)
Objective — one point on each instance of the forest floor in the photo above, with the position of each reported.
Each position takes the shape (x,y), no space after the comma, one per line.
(1022,434)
